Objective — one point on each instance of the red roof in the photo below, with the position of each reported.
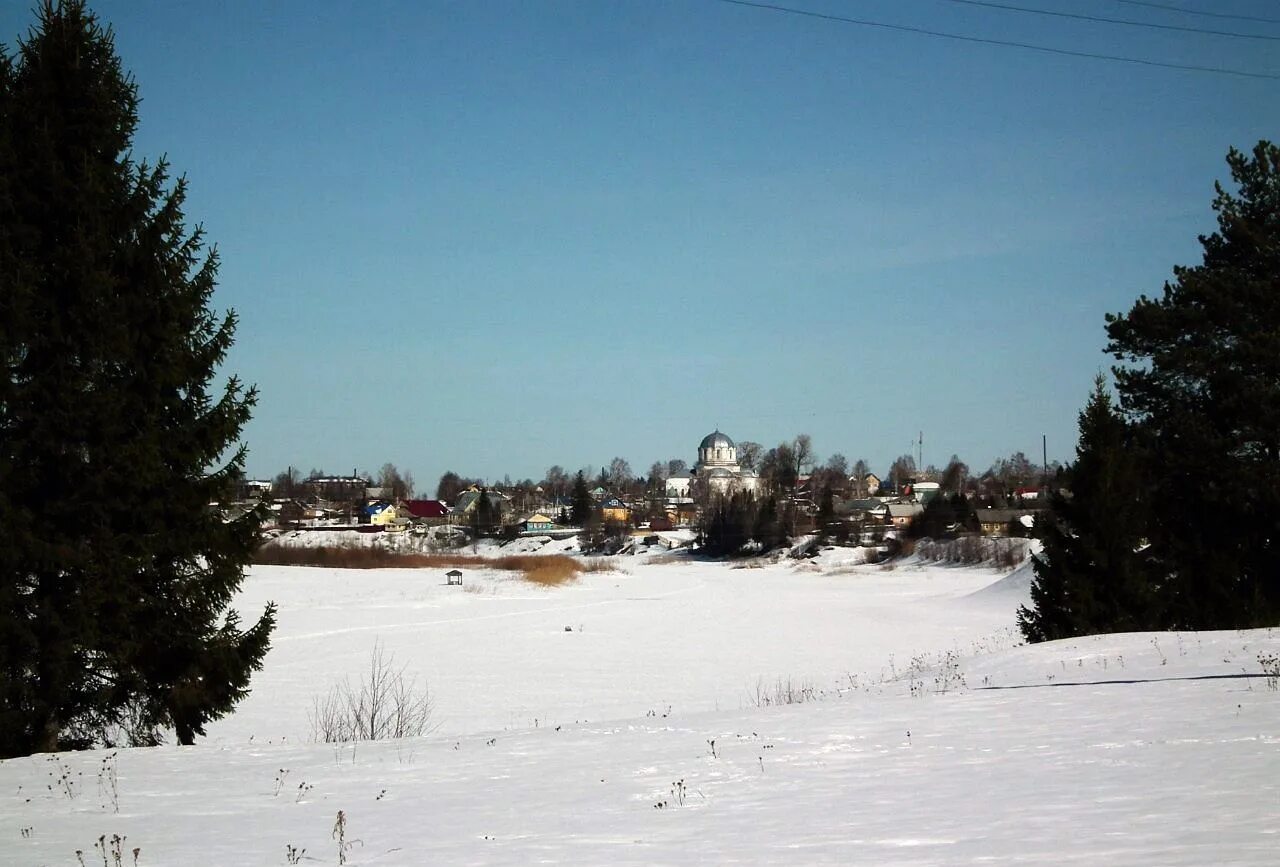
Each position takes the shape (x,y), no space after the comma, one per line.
(426,508)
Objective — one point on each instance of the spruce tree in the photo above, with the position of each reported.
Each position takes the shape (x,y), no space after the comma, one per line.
(769,528)
(482,517)
(724,527)
(1091,575)
(583,507)
(826,512)
(1200,374)
(116,574)
(943,518)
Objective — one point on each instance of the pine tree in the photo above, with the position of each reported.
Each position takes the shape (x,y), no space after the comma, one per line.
(769,528)
(725,526)
(1200,373)
(1091,575)
(943,518)
(826,507)
(581,504)
(116,575)
(483,518)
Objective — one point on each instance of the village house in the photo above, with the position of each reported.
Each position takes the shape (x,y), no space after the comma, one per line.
(426,511)
(340,489)
(253,489)
(1005,522)
(900,514)
(467,507)
(380,514)
(615,510)
(538,522)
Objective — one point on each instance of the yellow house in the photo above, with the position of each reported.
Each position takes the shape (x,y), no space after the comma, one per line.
(383,517)
(613,509)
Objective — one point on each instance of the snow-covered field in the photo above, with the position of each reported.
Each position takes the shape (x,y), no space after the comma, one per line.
(615,720)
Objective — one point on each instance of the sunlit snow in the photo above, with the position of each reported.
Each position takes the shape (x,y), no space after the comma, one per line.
(617,720)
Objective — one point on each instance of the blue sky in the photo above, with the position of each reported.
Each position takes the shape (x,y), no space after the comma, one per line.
(496,236)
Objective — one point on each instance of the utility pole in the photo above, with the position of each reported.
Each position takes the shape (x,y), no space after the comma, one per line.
(1044,457)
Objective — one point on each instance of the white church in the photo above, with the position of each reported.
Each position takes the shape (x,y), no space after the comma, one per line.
(718,466)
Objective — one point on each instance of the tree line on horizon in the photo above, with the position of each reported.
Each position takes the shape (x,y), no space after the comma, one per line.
(780,469)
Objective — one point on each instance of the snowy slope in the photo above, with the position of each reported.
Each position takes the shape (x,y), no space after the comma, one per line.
(686,636)
(951,746)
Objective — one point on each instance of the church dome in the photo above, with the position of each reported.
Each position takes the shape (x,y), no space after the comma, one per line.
(716,440)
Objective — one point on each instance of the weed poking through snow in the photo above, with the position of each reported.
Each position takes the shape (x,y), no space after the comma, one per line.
(109,783)
(61,780)
(783,692)
(1271,668)
(949,676)
(340,835)
(111,851)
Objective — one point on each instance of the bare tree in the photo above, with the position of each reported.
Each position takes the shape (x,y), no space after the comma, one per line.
(859,477)
(619,473)
(902,471)
(288,483)
(1013,472)
(400,485)
(802,452)
(451,484)
(778,469)
(954,476)
(383,704)
(749,454)
(831,477)
(676,467)
(556,484)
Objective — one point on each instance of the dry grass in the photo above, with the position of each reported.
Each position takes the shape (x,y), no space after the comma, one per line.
(783,692)
(548,570)
(551,571)
(854,569)
(1005,552)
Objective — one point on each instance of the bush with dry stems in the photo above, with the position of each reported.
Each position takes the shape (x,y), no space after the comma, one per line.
(383,704)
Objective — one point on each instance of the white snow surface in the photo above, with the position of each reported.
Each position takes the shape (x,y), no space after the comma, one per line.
(637,736)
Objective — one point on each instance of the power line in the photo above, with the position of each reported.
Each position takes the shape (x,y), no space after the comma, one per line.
(903,28)
(1126,22)
(1184,11)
